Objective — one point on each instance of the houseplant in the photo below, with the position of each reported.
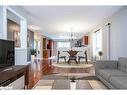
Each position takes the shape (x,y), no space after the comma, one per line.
(100,53)
(33,53)
(73,79)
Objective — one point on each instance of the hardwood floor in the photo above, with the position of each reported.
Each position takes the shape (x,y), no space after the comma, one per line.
(36,70)
(34,73)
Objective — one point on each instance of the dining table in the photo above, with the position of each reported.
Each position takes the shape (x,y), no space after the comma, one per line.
(72,55)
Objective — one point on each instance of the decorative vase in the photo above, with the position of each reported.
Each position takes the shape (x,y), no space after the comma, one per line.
(32,57)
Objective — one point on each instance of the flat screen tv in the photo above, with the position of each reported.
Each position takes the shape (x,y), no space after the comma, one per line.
(7,53)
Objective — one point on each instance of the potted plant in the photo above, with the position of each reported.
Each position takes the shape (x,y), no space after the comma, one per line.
(33,53)
(100,53)
(73,79)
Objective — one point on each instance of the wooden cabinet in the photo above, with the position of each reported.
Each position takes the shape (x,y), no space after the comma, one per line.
(47,48)
(86,40)
(44,43)
(46,53)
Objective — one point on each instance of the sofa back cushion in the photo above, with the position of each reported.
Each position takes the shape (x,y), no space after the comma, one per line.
(122,64)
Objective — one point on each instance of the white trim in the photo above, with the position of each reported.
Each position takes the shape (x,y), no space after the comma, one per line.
(23,29)
(108,42)
(14,12)
(22,50)
(3,22)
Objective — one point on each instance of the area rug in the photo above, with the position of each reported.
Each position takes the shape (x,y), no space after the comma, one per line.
(73,65)
(54,77)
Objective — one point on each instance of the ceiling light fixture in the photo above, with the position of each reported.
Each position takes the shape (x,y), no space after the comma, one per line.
(33,27)
(72,37)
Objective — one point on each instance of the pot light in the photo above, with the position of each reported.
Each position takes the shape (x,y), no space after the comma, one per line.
(33,27)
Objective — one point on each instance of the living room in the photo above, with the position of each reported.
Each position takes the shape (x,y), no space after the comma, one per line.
(104,39)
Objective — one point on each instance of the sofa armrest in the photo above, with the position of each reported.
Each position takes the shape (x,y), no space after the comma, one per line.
(106,65)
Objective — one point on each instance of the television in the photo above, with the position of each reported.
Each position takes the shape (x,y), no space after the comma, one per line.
(7,53)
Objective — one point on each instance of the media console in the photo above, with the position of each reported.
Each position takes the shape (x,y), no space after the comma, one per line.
(13,77)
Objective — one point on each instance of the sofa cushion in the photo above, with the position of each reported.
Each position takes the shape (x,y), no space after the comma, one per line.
(122,64)
(119,82)
(107,73)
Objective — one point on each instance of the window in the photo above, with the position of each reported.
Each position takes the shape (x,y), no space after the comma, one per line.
(97,43)
(63,44)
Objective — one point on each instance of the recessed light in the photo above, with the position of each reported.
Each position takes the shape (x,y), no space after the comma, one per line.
(33,27)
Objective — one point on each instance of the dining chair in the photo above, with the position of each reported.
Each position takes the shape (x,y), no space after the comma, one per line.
(83,57)
(60,57)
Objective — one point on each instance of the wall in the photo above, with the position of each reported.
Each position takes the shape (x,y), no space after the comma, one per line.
(118,35)
(90,45)
(13,31)
(54,48)
(3,22)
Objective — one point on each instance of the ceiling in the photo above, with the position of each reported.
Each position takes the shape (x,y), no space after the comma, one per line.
(57,22)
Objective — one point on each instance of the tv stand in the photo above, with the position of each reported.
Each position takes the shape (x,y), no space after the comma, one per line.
(7,69)
(13,76)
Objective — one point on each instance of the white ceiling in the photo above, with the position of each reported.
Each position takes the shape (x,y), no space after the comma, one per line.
(56,21)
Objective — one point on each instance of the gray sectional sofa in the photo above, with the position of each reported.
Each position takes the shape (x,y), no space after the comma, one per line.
(112,73)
